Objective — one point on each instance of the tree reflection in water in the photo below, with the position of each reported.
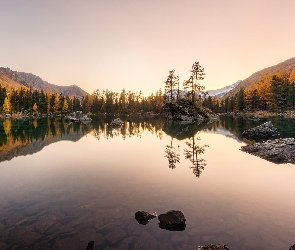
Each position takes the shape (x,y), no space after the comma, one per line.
(193,153)
(172,155)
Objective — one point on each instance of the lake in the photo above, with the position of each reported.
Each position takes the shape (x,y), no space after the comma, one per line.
(63,185)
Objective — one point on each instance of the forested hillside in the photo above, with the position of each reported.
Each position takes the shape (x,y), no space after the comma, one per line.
(271,89)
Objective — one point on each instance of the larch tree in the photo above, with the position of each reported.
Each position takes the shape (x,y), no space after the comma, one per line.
(6,106)
(35,108)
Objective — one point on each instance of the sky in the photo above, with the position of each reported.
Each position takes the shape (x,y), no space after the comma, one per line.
(132,44)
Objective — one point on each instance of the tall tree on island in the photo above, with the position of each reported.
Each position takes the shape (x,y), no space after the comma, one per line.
(171,83)
(192,83)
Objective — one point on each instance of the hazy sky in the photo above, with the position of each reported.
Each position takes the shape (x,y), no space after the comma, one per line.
(111,44)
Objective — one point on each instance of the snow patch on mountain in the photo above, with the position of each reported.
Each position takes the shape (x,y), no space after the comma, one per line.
(221,92)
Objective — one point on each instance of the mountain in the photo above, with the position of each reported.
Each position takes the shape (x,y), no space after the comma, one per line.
(286,66)
(16,79)
(221,92)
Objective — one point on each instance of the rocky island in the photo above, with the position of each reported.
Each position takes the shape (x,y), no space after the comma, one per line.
(185,110)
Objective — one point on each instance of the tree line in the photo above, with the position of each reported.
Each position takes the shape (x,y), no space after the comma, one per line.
(26,100)
(275,93)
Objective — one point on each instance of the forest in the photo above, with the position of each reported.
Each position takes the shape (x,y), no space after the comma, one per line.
(274,93)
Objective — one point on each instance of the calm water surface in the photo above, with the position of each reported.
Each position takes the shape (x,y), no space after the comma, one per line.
(63,185)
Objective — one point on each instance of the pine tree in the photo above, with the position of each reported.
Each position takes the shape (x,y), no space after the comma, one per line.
(192,83)
(171,82)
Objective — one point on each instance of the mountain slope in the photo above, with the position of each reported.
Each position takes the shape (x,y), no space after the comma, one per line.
(6,81)
(286,66)
(29,80)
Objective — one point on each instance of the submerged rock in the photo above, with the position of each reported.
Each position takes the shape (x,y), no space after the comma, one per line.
(90,245)
(213,247)
(277,150)
(172,220)
(117,123)
(143,217)
(264,131)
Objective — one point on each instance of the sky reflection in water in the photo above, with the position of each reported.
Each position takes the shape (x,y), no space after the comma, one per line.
(72,192)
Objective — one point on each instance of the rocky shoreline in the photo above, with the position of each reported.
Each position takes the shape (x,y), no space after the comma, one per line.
(278,150)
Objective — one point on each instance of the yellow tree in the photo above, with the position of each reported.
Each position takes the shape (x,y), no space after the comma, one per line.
(264,91)
(35,108)
(65,106)
(56,103)
(6,106)
(292,76)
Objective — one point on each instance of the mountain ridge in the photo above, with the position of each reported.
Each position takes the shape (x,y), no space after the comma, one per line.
(286,66)
(27,80)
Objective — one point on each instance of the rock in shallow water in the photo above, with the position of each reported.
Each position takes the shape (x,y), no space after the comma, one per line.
(172,220)
(277,151)
(143,217)
(213,247)
(262,132)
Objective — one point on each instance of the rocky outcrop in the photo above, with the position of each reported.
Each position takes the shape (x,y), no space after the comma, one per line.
(264,131)
(143,217)
(213,247)
(184,110)
(117,123)
(277,150)
(172,220)
(77,117)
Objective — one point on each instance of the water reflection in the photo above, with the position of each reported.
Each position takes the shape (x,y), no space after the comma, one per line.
(23,137)
(193,152)
(172,155)
(234,126)
(133,126)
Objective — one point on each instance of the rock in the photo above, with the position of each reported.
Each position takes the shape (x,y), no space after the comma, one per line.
(117,123)
(264,131)
(184,110)
(213,247)
(277,150)
(291,247)
(77,117)
(172,220)
(90,245)
(143,217)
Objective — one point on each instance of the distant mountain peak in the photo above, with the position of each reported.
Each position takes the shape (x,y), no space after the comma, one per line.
(223,91)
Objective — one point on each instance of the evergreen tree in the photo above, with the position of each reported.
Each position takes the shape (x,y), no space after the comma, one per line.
(171,82)
(241,100)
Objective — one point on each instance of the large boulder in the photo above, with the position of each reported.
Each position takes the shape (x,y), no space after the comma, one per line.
(143,217)
(172,220)
(277,150)
(264,131)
